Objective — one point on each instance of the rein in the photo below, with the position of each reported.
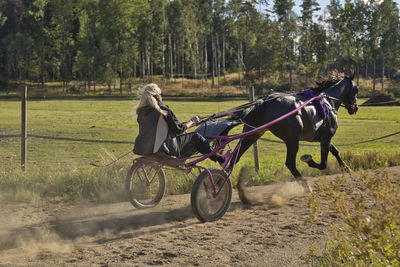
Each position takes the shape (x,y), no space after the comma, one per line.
(228,112)
(342,103)
(256,129)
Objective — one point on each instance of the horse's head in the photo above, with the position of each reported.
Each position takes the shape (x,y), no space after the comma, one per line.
(349,95)
(341,89)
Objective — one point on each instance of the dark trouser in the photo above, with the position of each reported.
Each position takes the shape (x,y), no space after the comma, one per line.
(186,145)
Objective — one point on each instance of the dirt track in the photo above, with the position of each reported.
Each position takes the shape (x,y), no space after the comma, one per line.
(271,234)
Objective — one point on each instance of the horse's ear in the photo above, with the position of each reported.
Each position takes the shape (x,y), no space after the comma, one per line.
(334,73)
(344,71)
(352,74)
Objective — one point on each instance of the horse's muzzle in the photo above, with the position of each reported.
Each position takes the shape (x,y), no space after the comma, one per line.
(352,109)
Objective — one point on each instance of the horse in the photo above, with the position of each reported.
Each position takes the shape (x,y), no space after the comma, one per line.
(315,122)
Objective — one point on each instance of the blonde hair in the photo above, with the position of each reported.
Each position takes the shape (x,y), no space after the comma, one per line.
(146,95)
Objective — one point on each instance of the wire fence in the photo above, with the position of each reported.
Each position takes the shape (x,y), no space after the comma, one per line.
(348,144)
(4,136)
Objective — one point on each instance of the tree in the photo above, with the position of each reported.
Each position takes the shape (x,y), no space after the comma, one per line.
(62,30)
(334,47)
(38,12)
(372,36)
(287,27)
(306,19)
(389,36)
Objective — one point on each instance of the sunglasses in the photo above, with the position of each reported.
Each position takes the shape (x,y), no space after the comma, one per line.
(157,95)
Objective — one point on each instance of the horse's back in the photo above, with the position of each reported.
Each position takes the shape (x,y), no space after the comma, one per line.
(303,124)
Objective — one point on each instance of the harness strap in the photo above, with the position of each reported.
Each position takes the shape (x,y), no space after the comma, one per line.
(321,106)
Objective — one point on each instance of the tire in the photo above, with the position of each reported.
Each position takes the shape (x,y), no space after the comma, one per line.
(205,206)
(145,184)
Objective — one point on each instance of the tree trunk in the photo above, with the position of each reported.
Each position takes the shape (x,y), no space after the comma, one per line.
(94,82)
(196,53)
(290,76)
(213,61)
(183,66)
(218,59)
(134,66)
(171,70)
(151,59)
(374,77)
(175,59)
(223,55)
(141,69)
(383,74)
(240,63)
(42,52)
(163,58)
(120,81)
(358,73)
(63,67)
(348,62)
(148,71)
(205,59)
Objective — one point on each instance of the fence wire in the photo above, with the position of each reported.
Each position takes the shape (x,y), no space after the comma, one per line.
(3,136)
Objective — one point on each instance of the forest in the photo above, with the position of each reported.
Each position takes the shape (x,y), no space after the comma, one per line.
(117,42)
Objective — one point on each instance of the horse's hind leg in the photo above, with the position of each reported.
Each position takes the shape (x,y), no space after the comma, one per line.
(335,152)
(247,142)
(292,147)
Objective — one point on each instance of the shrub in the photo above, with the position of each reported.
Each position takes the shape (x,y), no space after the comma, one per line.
(370,159)
(368,233)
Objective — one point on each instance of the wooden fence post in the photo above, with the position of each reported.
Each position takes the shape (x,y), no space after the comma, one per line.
(23,128)
(255,146)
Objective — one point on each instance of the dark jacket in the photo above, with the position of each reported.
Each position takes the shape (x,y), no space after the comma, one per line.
(155,129)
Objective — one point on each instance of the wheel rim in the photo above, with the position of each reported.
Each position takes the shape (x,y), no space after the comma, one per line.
(145,183)
(208,204)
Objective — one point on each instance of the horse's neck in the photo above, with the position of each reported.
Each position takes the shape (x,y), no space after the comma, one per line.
(336,92)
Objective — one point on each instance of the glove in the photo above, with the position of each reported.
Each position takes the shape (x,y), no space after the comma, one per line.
(195,120)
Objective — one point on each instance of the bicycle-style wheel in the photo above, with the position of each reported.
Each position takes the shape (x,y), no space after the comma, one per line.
(205,205)
(145,184)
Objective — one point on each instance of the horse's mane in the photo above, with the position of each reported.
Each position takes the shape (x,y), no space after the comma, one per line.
(323,83)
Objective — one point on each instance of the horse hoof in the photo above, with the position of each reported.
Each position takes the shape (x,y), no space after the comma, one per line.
(347,169)
(306,158)
(307,188)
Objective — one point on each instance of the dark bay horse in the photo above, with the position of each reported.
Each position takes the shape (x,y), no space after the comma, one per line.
(315,122)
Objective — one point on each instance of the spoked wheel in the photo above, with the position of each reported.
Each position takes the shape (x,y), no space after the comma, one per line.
(205,205)
(145,184)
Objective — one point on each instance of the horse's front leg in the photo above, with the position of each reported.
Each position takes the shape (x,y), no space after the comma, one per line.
(342,164)
(325,146)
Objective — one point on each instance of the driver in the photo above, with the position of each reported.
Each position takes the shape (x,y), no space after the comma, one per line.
(161,131)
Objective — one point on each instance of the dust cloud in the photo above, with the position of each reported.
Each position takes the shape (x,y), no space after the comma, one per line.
(19,246)
(273,194)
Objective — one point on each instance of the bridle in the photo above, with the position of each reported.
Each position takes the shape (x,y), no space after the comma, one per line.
(344,104)
(349,106)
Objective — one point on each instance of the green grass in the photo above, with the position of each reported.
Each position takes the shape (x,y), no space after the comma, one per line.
(116,120)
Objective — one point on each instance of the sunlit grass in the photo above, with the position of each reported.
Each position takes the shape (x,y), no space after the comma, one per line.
(116,120)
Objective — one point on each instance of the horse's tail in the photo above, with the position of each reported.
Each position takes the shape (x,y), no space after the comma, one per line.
(242,115)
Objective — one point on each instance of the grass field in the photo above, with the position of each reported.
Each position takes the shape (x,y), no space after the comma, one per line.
(116,120)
